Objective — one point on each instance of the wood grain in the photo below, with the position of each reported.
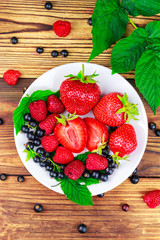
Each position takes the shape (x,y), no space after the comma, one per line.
(32,24)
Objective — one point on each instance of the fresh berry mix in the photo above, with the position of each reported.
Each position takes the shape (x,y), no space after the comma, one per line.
(62,28)
(152,126)
(39,50)
(14,40)
(54,53)
(48,5)
(82,228)
(3,177)
(64,53)
(38,208)
(152,198)
(73,149)
(20,179)
(11,77)
(1,121)
(125,207)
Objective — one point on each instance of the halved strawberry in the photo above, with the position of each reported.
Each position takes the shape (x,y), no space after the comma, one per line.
(97,134)
(71,133)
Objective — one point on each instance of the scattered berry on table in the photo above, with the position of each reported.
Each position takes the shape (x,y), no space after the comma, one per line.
(152,125)
(60,175)
(49,123)
(86,174)
(63,155)
(40,150)
(29,145)
(90,21)
(134,179)
(39,50)
(36,159)
(55,105)
(38,208)
(25,129)
(152,198)
(125,207)
(95,174)
(104,177)
(14,40)
(37,142)
(24,89)
(32,123)
(11,77)
(135,171)
(27,117)
(157,132)
(49,143)
(74,170)
(40,133)
(64,53)
(62,28)
(31,136)
(42,164)
(105,152)
(20,179)
(53,174)
(82,228)
(48,5)
(54,53)
(100,195)
(38,110)
(49,168)
(1,121)
(109,171)
(95,161)
(3,177)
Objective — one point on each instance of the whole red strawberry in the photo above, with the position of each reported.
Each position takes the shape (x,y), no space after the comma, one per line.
(123,140)
(49,143)
(114,109)
(63,155)
(74,170)
(152,198)
(49,123)
(38,110)
(95,161)
(80,94)
(62,28)
(55,105)
(11,77)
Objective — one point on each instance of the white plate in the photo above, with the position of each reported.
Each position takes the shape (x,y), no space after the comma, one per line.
(108,83)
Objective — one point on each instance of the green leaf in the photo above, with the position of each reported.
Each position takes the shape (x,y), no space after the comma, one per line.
(88,181)
(153,29)
(76,192)
(147,75)
(109,21)
(43,95)
(30,154)
(82,157)
(141,7)
(126,52)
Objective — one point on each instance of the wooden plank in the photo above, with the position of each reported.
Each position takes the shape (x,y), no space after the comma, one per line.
(9,159)
(60,218)
(32,24)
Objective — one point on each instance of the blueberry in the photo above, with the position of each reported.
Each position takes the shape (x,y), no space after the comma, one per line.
(1,121)
(40,150)
(135,171)
(64,53)
(14,40)
(36,159)
(134,179)
(86,174)
(125,207)
(60,175)
(40,133)
(38,208)
(32,123)
(3,177)
(37,142)
(47,155)
(25,129)
(100,195)
(152,125)
(109,171)
(157,132)
(82,228)
(48,5)
(95,174)
(110,159)
(53,174)
(31,136)
(54,53)
(113,129)
(20,179)
(42,164)
(29,145)
(90,21)
(39,50)
(27,117)
(113,165)
(49,168)
(62,167)
(106,151)
(104,177)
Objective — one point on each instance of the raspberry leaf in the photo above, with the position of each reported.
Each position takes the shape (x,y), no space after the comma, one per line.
(88,181)
(30,154)
(153,29)
(82,157)
(76,192)
(109,22)
(141,7)
(147,75)
(43,95)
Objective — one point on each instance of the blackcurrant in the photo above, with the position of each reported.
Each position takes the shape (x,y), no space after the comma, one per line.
(48,5)
(60,175)
(82,228)
(64,53)
(113,165)
(38,208)
(42,164)
(33,123)
(95,174)
(62,167)
(105,152)
(110,159)
(40,133)
(53,174)
(125,207)
(135,171)
(109,171)
(86,174)
(104,177)
(1,121)
(100,195)
(157,132)
(31,136)
(49,168)
(54,53)
(36,159)
(40,150)
(39,50)
(14,40)
(42,157)
(29,145)
(152,125)
(47,155)
(25,129)
(37,142)
(27,117)
(20,179)
(134,179)
(90,21)
(3,177)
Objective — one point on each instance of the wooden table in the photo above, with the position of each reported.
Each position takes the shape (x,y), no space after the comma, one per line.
(32,24)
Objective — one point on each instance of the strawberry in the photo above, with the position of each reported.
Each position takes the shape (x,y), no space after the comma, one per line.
(63,155)
(114,109)
(62,28)
(97,134)
(80,94)
(49,143)
(38,110)
(123,140)
(74,170)
(71,133)
(54,104)
(152,198)
(49,123)
(11,77)
(95,161)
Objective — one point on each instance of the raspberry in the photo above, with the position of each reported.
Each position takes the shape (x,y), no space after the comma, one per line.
(152,198)
(38,110)
(74,170)
(49,123)
(62,28)
(63,155)
(49,143)
(11,77)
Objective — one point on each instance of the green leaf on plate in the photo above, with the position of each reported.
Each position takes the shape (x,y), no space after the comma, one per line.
(126,52)
(141,7)
(30,154)
(147,75)
(153,29)
(76,192)
(109,22)
(43,95)
(82,157)
(88,181)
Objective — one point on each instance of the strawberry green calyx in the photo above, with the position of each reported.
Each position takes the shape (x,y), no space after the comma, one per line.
(116,158)
(129,109)
(81,77)
(63,120)
(100,147)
